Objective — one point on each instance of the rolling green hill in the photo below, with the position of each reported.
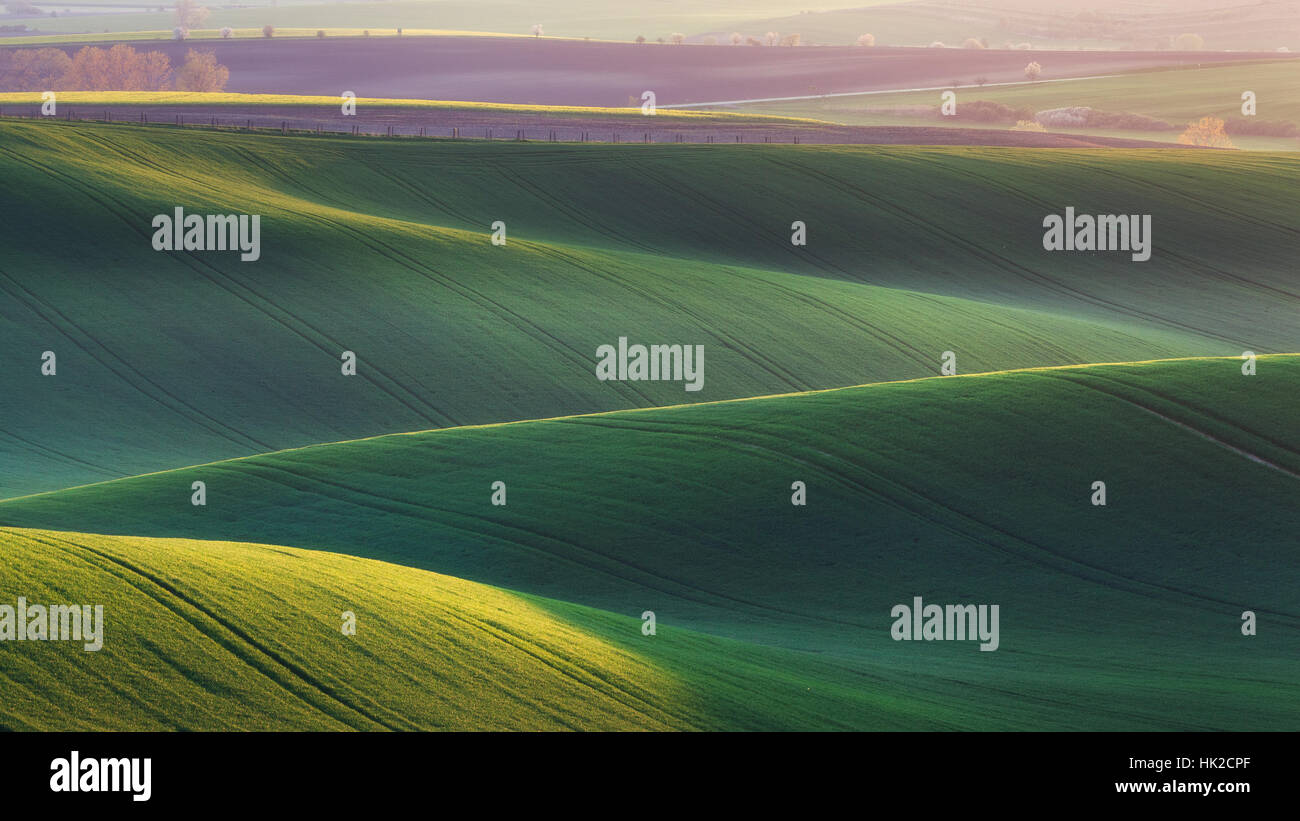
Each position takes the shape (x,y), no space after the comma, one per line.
(382,248)
(220,636)
(968,489)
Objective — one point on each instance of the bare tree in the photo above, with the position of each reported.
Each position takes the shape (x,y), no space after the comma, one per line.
(40,69)
(189,15)
(201,72)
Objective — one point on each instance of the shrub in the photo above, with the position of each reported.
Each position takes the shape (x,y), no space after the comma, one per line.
(268,31)
(1207,131)
(1189,42)
(1033,71)
(639,39)
(866,40)
(226,33)
(1080,115)
(1074,116)
(971,42)
(736,38)
(179,33)
(937,44)
(320,34)
(987,111)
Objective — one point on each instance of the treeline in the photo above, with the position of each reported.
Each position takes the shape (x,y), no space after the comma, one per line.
(120,68)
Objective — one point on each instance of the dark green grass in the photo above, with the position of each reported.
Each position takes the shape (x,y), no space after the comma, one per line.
(962,490)
(219,636)
(381,248)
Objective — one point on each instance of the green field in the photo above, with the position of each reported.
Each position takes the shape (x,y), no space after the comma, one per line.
(1056,25)
(959,489)
(220,636)
(1257,27)
(373,493)
(382,248)
(1177,96)
(614,20)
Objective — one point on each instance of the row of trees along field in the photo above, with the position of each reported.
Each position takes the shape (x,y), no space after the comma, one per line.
(120,68)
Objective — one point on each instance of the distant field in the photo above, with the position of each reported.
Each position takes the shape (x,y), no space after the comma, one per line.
(1175,96)
(240,34)
(1260,26)
(565,72)
(1249,26)
(615,19)
(957,489)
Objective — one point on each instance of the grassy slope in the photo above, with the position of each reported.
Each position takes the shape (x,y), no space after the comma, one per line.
(967,489)
(381,247)
(220,636)
(1176,96)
